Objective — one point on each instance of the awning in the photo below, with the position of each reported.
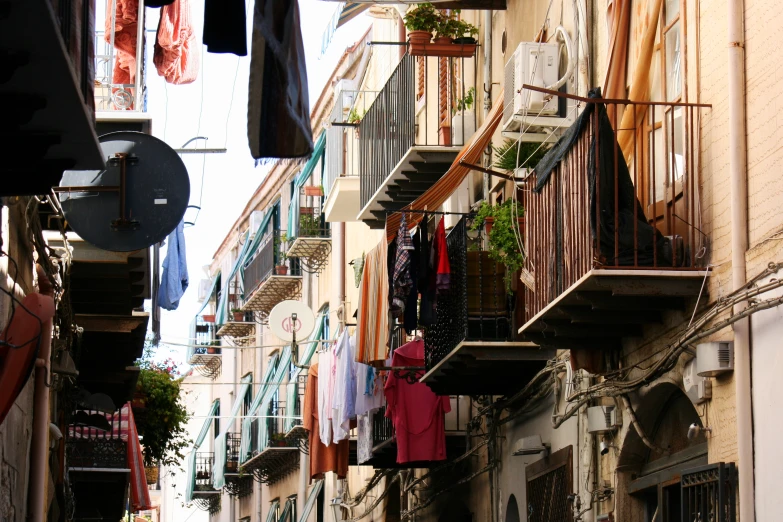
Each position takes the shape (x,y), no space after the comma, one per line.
(312,498)
(221,314)
(202,435)
(299,182)
(259,235)
(288,511)
(221,447)
(309,350)
(272,516)
(244,445)
(446,185)
(215,283)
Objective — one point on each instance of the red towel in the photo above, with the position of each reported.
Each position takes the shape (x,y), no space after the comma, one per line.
(440,259)
(125,32)
(176,51)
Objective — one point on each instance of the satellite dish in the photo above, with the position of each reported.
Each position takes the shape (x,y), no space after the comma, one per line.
(283,326)
(137,201)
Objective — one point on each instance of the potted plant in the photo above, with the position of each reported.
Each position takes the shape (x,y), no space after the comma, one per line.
(163,426)
(463,121)
(278,440)
(519,156)
(446,28)
(315,191)
(464,33)
(151,473)
(504,235)
(420,22)
(309,225)
(212,347)
(281,268)
(208,318)
(239,315)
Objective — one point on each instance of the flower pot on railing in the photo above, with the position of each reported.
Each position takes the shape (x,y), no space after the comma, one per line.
(239,317)
(465,40)
(419,37)
(213,350)
(488,222)
(313,191)
(208,318)
(281,270)
(151,474)
(442,40)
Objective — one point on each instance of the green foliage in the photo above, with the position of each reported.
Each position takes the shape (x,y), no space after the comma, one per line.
(309,225)
(463,29)
(466,103)
(165,415)
(528,154)
(424,17)
(355,117)
(503,241)
(281,247)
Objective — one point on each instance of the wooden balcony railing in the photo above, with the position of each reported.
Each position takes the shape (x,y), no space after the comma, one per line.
(590,206)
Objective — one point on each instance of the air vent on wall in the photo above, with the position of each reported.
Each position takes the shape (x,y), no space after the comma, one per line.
(714,358)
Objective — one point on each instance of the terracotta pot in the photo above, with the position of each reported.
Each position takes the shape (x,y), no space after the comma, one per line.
(212,350)
(488,221)
(208,318)
(311,190)
(419,37)
(239,317)
(151,475)
(281,270)
(442,40)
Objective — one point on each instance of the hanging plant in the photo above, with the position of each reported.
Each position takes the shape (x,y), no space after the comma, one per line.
(527,153)
(504,237)
(165,415)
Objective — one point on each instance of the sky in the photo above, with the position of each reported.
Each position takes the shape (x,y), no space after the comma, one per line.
(215,106)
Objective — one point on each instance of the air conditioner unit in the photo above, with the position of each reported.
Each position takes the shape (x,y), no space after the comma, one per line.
(602,418)
(204,286)
(697,388)
(714,358)
(256,217)
(531,445)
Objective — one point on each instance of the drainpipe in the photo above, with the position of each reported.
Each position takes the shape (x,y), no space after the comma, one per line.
(338,271)
(739,245)
(487,88)
(39,448)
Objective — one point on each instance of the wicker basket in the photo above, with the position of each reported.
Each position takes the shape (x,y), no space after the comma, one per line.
(152,475)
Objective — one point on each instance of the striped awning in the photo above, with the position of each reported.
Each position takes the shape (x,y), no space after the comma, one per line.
(346,11)
(438,193)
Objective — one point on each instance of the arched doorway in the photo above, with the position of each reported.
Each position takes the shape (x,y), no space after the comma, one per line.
(652,477)
(512,510)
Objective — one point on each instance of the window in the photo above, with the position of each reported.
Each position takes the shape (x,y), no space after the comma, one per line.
(216,425)
(247,400)
(549,484)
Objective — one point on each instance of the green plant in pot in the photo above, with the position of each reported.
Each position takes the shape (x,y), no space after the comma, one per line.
(527,153)
(282,255)
(464,33)
(447,27)
(309,225)
(421,21)
(504,235)
(239,315)
(165,415)
(278,440)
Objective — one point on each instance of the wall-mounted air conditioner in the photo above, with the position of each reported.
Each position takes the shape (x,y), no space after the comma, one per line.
(714,358)
(697,388)
(602,418)
(534,114)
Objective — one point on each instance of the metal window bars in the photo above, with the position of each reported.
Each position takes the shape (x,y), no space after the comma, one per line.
(709,493)
(90,445)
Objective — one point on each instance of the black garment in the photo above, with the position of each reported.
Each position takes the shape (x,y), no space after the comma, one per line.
(410,318)
(426,279)
(157,3)
(225,26)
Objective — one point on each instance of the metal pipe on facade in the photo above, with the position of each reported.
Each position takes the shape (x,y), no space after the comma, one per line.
(487,86)
(39,447)
(738,167)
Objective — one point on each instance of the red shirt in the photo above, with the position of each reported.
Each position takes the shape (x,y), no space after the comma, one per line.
(416,412)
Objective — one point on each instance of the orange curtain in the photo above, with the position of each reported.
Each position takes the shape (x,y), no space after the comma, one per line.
(619,19)
(438,193)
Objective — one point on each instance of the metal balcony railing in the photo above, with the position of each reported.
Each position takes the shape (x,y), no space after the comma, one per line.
(597,209)
(204,463)
(477,307)
(92,446)
(455,422)
(233,445)
(263,264)
(416,107)
(310,221)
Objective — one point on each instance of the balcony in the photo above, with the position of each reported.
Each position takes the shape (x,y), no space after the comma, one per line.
(47,92)
(313,242)
(384,442)
(269,278)
(341,172)
(205,354)
(237,484)
(412,132)
(294,427)
(240,329)
(97,460)
(473,348)
(280,455)
(204,488)
(611,253)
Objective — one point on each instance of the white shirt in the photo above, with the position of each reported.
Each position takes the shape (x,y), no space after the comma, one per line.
(344,395)
(324,406)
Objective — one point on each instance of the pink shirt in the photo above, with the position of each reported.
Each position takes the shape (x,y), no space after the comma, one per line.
(417,413)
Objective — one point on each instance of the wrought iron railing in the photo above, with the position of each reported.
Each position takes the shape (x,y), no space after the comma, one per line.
(204,463)
(311,221)
(455,422)
(95,440)
(233,447)
(476,307)
(598,209)
(263,265)
(417,106)
(276,425)
(709,493)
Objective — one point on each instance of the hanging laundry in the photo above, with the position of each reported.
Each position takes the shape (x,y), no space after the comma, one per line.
(323,457)
(440,259)
(402,270)
(225,26)
(278,115)
(373,316)
(174,280)
(176,55)
(364,437)
(325,390)
(358,268)
(410,318)
(417,413)
(369,390)
(427,316)
(126,17)
(344,397)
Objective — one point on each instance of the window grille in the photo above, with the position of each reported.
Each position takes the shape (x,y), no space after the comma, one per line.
(549,485)
(708,493)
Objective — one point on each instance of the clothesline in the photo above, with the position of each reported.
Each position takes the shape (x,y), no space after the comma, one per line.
(229,347)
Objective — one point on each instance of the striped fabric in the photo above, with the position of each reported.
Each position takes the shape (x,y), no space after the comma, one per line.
(312,498)
(272,516)
(448,183)
(373,307)
(123,426)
